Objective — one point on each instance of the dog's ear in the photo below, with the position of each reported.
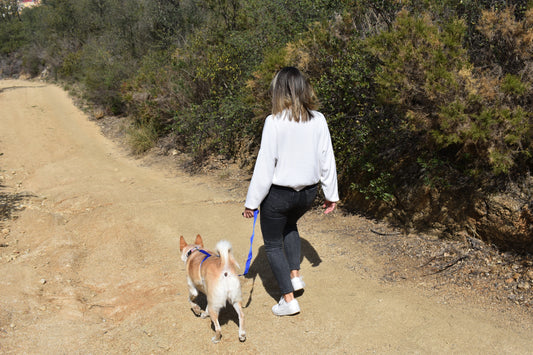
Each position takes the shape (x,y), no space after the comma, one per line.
(199,241)
(183,244)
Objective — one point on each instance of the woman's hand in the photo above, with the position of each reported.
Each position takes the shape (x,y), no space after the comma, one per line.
(248,213)
(329,206)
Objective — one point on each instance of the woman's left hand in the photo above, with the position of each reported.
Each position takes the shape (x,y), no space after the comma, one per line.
(248,213)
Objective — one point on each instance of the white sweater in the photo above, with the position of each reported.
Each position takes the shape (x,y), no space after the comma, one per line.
(296,155)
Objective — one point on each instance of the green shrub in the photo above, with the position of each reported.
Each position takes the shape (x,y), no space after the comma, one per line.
(12,36)
(156,91)
(512,85)
(103,74)
(460,114)
(70,68)
(141,138)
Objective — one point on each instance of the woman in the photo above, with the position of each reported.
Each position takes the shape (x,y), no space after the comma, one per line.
(295,155)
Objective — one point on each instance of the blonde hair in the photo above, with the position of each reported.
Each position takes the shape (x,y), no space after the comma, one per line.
(291,90)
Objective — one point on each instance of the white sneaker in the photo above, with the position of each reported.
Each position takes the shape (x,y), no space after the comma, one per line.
(297,283)
(286,309)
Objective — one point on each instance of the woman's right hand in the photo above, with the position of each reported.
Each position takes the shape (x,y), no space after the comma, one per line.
(329,206)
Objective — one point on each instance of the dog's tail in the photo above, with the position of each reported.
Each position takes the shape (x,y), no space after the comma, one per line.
(229,283)
(224,250)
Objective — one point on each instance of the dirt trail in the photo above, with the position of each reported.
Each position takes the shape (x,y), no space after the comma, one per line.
(91,264)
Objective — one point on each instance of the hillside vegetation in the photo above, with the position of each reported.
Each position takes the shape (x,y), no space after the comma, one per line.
(430,103)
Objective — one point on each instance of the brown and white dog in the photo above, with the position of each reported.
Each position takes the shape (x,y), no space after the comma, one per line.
(216,277)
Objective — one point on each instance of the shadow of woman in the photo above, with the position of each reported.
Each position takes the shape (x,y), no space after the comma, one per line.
(260,267)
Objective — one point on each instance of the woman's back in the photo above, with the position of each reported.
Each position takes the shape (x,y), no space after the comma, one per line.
(300,147)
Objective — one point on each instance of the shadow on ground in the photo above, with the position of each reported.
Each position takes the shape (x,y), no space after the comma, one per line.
(10,203)
(261,268)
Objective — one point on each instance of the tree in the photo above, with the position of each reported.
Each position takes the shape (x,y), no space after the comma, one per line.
(9,10)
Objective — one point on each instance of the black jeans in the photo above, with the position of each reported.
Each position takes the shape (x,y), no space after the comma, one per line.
(280,211)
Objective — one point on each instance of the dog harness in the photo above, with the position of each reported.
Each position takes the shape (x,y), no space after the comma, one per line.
(207,255)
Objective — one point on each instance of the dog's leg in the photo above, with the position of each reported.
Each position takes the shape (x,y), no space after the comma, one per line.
(195,308)
(240,313)
(205,313)
(213,313)
(193,292)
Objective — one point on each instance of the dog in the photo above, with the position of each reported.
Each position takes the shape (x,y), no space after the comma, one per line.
(216,277)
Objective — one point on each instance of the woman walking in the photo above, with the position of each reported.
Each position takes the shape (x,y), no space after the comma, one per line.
(296,155)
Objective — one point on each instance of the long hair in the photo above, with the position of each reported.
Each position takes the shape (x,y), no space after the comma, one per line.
(291,90)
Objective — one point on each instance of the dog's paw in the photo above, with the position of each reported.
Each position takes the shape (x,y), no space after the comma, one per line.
(242,337)
(197,311)
(204,315)
(216,338)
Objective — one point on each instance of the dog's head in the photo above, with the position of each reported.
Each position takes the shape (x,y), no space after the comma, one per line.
(186,248)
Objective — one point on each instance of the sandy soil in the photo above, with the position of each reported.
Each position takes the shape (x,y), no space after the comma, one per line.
(90,264)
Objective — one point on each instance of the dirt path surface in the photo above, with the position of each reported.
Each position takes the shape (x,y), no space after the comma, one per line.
(90,264)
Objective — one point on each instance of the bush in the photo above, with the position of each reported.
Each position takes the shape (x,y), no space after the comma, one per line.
(12,36)
(156,91)
(463,115)
(141,138)
(102,76)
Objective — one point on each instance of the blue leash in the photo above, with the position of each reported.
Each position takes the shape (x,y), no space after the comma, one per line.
(249,260)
